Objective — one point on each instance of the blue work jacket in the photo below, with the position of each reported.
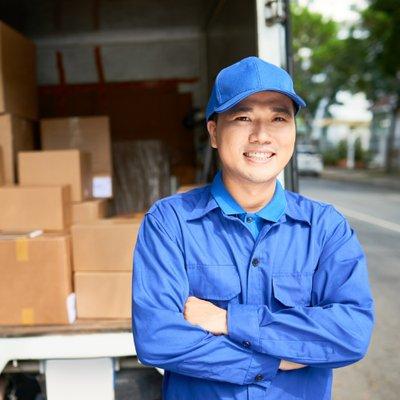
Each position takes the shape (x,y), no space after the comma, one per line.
(298,292)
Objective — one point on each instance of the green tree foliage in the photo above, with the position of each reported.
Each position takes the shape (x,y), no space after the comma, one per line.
(330,157)
(322,61)
(342,149)
(380,51)
(367,60)
(376,48)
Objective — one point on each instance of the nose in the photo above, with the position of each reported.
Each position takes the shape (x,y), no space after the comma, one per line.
(260,134)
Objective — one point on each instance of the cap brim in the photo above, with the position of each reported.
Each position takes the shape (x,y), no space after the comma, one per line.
(241,96)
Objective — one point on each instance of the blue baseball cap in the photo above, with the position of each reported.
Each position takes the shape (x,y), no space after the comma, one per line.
(246,77)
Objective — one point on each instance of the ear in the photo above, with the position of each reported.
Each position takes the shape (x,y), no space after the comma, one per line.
(212,130)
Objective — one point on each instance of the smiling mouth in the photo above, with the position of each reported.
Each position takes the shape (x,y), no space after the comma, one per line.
(259,157)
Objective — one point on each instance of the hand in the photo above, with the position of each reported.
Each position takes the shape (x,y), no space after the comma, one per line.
(289,365)
(214,319)
(207,315)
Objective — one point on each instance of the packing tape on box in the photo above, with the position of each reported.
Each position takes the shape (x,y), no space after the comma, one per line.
(27,316)
(21,250)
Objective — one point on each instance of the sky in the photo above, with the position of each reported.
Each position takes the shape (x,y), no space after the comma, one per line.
(339,10)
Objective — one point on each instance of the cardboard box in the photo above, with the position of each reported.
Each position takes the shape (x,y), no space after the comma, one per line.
(102,186)
(36,281)
(133,216)
(103,294)
(35,207)
(89,134)
(89,210)
(18,86)
(57,167)
(104,245)
(16,134)
(1,167)
(186,188)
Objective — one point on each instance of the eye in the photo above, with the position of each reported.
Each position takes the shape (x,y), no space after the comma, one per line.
(279,119)
(242,118)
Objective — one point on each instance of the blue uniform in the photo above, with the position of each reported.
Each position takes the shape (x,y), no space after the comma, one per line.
(298,290)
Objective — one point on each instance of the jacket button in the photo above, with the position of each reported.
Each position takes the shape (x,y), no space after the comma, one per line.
(255,262)
(246,343)
(259,378)
(249,219)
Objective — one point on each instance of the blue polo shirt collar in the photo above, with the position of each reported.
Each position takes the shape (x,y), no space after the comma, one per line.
(271,211)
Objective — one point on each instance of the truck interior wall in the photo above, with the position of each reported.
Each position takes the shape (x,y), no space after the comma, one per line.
(140,62)
(136,112)
(137,40)
(231,35)
(146,64)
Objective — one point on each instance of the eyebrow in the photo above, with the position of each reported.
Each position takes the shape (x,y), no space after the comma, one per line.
(283,110)
(240,109)
(279,109)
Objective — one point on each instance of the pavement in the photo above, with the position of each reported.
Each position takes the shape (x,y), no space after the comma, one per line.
(375,178)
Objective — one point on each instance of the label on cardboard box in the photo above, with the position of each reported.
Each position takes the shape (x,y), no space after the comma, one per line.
(102,187)
(71,308)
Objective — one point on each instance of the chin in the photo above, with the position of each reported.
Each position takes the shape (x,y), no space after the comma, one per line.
(260,177)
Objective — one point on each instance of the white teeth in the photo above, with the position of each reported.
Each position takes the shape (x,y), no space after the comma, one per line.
(259,155)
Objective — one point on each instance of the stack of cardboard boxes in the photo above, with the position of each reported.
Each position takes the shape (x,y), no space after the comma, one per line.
(18,97)
(88,134)
(34,271)
(45,193)
(54,191)
(37,271)
(103,266)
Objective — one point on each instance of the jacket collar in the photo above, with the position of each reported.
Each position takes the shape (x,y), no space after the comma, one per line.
(271,212)
(294,211)
(208,203)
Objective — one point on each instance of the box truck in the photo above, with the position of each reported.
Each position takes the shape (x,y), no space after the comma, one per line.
(149,66)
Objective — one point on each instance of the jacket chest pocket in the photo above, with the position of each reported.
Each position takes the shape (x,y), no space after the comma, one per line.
(219,284)
(292,290)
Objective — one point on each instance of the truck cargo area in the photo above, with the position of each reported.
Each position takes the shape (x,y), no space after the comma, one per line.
(127,81)
(148,65)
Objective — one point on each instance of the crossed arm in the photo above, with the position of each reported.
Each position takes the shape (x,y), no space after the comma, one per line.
(171,332)
(214,319)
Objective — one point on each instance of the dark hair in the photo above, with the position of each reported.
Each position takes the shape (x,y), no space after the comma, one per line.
(213,117)
(295,107)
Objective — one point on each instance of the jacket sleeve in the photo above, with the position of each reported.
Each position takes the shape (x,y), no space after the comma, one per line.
(162,337)
(336,330)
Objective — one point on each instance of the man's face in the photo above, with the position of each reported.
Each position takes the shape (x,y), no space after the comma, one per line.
(255,139)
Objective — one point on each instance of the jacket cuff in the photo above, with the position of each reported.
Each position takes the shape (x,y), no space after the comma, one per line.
(262,369)
(243,325)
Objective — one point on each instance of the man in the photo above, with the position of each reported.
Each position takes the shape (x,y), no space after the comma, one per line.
(241,289)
